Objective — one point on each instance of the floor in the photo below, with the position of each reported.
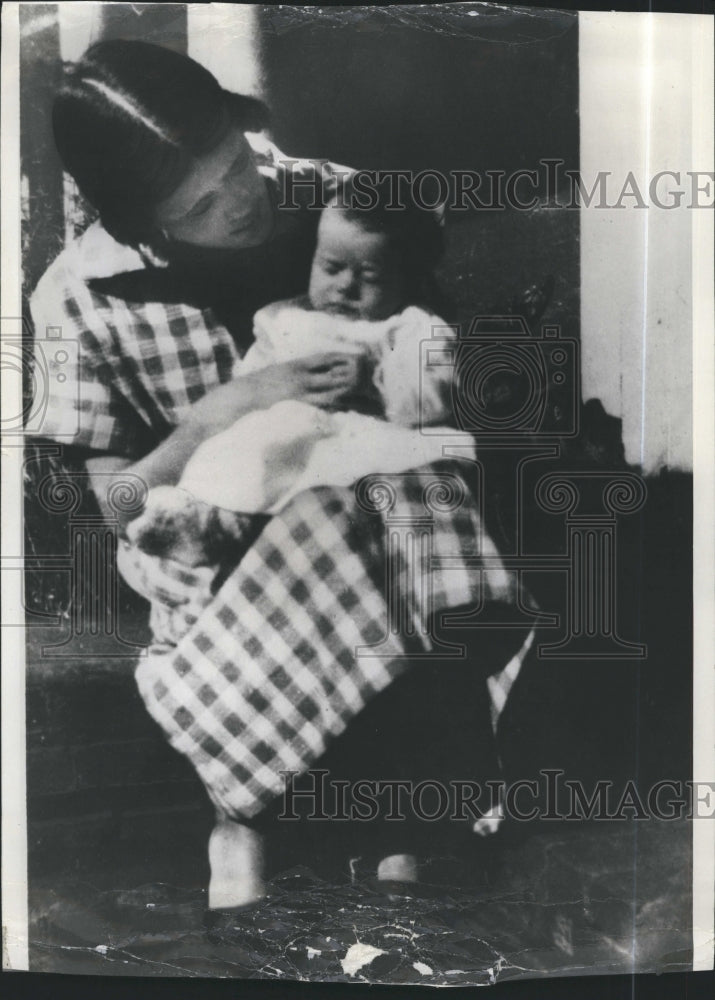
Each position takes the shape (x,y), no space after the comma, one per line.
(584,897)
(611,897)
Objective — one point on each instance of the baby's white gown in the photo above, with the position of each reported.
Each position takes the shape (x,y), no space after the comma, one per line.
(268,456)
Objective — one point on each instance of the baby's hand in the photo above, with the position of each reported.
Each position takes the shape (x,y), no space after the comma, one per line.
(365,396)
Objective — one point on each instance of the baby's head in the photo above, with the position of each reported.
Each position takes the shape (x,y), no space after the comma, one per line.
(370,263)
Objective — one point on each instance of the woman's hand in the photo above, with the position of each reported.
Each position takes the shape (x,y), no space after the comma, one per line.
(321,379)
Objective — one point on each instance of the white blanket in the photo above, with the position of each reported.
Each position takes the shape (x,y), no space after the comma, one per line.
(269,456)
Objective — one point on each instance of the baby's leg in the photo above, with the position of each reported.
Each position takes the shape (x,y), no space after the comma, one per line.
(236,859)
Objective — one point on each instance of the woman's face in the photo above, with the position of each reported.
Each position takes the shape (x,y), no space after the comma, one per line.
(223,202)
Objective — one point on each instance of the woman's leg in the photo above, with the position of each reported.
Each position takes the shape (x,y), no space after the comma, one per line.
(430,727)
(237,862)
(431,724)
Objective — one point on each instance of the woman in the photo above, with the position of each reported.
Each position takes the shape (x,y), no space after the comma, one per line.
(159,293)
(188,219)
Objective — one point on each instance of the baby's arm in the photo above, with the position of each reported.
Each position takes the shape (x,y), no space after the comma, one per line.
(265,350)
(415,386)
(288,331)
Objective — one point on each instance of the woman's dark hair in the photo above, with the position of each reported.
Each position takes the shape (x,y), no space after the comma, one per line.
(127,121)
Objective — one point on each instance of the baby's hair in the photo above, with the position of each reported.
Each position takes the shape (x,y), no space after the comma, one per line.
(415,232)
(128,119)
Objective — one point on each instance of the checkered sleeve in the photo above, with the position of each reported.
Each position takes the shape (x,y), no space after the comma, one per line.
(75,399)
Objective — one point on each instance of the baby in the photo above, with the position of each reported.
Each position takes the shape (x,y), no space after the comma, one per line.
(368,286)
(365,297)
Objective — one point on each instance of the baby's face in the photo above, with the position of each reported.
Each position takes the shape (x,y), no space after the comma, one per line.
(355,273)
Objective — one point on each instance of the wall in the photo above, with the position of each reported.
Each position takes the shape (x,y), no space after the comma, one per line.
(636,273)
(499,89)
(442,88)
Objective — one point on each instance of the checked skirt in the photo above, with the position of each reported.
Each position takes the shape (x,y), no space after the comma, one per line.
(327,606)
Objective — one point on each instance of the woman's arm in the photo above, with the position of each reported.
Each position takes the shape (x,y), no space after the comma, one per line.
(322,379)
(163,465)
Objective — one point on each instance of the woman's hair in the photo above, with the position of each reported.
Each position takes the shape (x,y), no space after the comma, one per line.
(127,121)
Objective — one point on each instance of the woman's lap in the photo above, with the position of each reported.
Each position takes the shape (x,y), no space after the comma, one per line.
(429,730)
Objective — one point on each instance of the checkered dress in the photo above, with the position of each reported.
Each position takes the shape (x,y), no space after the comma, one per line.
(260,676)
(130,370)
(326,608)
